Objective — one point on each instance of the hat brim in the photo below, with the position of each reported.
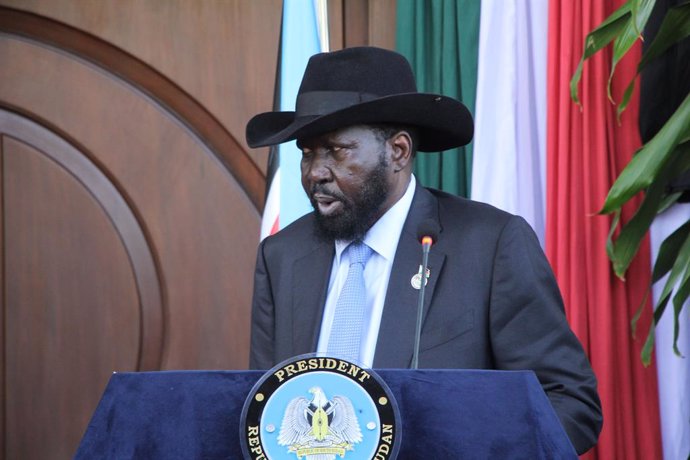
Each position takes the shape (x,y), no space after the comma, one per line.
(442,122)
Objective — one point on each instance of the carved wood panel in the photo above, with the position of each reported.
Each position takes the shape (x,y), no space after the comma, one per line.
(74,309)
(130,226)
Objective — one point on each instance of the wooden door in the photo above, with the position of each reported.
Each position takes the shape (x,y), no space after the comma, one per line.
(129,229)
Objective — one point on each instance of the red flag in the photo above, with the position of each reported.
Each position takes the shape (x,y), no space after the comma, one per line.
(585,152)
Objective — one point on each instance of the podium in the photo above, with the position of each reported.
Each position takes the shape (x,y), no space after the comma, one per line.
(445,414)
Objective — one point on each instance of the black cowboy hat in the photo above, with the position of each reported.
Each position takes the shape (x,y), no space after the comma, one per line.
(364,85)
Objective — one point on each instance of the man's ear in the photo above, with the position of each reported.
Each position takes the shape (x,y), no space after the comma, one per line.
(401,144)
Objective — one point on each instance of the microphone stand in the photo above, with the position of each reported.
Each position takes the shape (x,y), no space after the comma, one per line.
(426,245)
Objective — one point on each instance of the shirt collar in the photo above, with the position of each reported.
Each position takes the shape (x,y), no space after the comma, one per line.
(378,237)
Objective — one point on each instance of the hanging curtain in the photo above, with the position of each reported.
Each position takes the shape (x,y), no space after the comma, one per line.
(586,149)
(440,39)
(509,165)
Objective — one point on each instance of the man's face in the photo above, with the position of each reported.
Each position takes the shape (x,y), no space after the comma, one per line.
(346,175)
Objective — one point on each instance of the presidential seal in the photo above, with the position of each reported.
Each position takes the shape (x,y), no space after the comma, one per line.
(320,408)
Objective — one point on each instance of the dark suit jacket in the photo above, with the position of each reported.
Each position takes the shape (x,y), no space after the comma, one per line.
(491,303)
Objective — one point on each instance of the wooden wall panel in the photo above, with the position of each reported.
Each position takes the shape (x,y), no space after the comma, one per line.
(382,24)
(223,53)
(201,223)
(62,348)
(196,222)
(361,23)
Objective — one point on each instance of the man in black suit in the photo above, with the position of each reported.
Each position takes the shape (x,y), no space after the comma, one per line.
(491,299)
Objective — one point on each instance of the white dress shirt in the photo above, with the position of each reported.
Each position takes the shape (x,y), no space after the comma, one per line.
(383,238)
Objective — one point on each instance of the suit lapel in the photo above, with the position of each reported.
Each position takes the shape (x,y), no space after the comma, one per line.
(309,296)
(396,334)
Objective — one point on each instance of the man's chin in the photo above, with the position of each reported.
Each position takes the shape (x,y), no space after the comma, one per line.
(337,226)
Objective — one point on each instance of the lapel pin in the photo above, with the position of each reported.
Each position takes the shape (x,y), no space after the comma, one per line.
(416,280)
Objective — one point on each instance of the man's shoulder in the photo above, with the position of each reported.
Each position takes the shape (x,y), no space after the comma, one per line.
(456,207)
(479,223)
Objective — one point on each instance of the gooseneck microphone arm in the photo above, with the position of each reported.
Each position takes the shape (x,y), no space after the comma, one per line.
(427,234)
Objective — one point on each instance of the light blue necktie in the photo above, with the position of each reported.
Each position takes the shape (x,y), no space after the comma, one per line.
(346,331)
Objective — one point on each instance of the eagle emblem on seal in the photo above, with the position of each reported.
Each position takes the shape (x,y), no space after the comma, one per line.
(319,429)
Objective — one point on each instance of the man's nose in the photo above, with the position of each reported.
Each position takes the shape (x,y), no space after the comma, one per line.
(319,168)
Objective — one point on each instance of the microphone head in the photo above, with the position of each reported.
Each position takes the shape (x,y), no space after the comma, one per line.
(428,228)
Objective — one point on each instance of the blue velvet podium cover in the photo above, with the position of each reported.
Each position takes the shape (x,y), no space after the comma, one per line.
(446,414)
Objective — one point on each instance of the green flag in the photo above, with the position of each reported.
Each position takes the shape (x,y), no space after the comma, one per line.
(440,38)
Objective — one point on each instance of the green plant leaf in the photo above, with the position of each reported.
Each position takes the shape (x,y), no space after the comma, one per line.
(678,302)
(646,353)
(680,266)
(668,251)
(640,11)
(669,201)
(626,97)
(674,28)
(604,34)
(638,312)
(609,239)
(628,242)
(650,158)
(629,239)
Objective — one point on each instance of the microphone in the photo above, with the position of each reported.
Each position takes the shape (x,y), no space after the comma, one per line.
(427,234)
